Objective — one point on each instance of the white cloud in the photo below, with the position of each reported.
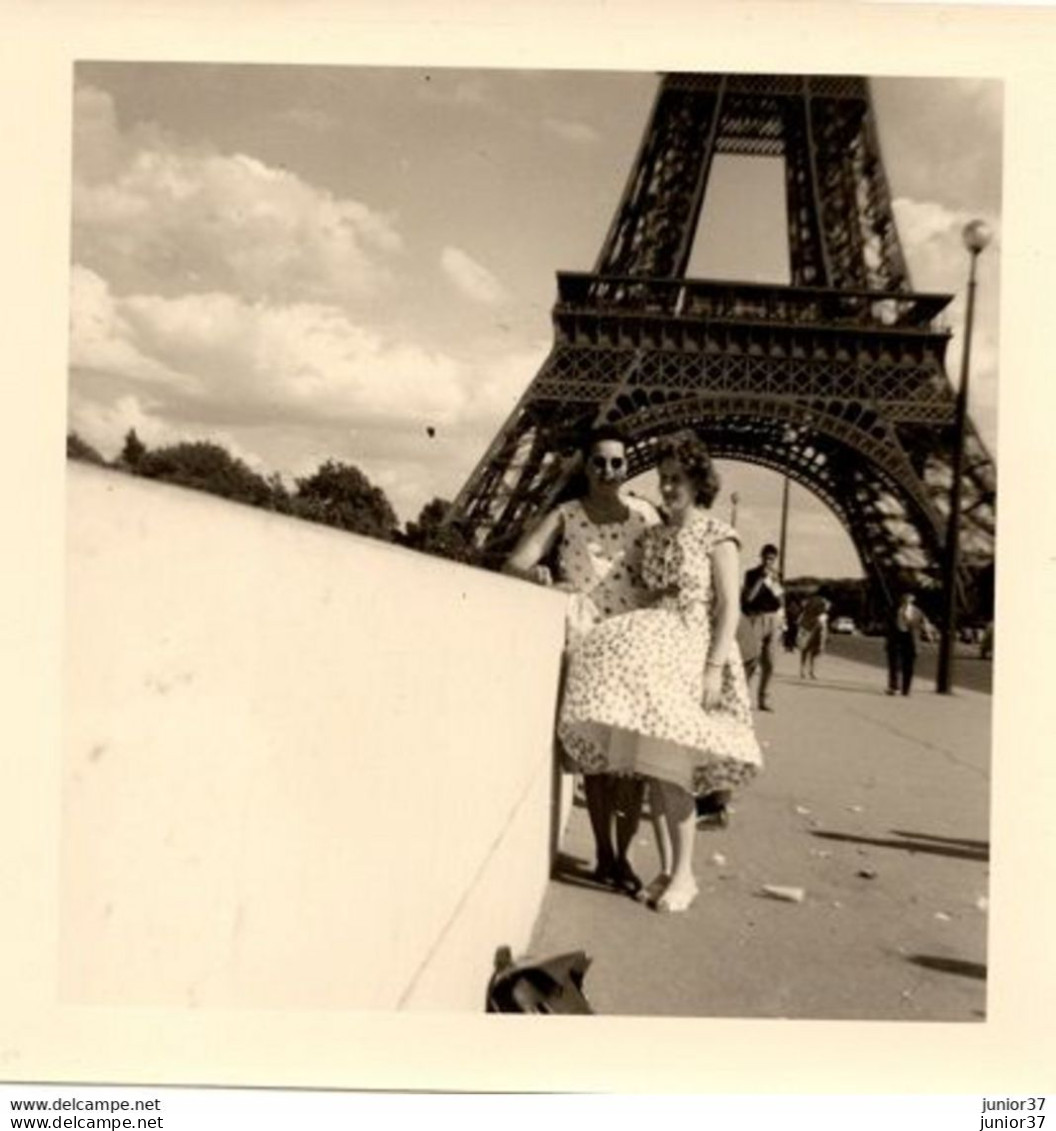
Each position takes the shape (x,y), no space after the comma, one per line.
(103,339)
(258,360)
(105,426)
(286,387)
(499,381)
(577,132)
(152,214)
(471,278)
(939,262)
(931,237)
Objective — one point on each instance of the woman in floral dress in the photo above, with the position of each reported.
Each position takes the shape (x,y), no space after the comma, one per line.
(597,540)
(661,691)
(813,633)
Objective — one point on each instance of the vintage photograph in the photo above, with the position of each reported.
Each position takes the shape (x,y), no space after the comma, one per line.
(530,541)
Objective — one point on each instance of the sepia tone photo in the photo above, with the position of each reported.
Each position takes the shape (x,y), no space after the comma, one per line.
(531,541)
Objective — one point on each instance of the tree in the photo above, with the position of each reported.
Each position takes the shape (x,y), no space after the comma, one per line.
(206,466)
(340,495)
(281,499)
(76,448)
(431,536)
(133,452)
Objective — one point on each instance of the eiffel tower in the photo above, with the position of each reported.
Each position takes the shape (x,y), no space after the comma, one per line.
(837,380)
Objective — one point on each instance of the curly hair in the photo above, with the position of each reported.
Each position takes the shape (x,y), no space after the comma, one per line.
(695,460)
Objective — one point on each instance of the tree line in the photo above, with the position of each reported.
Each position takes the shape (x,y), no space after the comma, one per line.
(336,494)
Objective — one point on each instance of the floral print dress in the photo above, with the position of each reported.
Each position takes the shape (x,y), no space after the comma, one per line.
(602,563)
(633,700)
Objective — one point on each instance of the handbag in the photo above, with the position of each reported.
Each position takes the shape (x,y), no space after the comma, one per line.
(548,985)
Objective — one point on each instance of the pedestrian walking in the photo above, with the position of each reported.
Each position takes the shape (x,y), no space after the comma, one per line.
(791,629)
(813,633)
(907,626)
(762,603)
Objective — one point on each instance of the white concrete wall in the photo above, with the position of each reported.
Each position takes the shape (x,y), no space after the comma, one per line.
(302,769)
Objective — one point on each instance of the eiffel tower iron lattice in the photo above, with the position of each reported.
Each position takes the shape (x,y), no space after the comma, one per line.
(837,380)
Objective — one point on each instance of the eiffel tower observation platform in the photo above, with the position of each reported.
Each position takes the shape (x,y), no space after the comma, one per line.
(706,300)
(838,336)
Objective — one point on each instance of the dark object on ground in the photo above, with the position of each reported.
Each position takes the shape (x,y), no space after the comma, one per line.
(549,985)
(712,810)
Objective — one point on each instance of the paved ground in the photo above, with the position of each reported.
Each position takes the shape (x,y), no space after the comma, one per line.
(969,671)
(877,807)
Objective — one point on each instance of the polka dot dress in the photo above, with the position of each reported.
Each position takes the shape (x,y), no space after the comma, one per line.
(633,701)
(602,562)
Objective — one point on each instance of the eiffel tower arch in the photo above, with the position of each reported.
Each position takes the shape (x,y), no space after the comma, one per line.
(837,380)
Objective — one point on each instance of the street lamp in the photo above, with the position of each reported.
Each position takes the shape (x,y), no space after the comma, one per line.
(976,236)
(784,530)
(734,500)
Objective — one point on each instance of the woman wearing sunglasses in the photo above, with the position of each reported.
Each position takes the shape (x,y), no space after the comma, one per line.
(595,543)
(661,692)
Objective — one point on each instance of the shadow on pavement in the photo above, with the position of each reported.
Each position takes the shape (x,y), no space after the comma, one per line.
(576,872)
(949,965)
(982,846)
(922,845)
(823,684)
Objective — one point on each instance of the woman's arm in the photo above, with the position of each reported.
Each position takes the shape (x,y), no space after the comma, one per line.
(533,547)
(725,570)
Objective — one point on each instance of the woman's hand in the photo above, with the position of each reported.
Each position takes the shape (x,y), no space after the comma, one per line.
(525,560)
(712,686)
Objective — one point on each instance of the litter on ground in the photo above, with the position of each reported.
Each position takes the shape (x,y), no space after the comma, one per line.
(780,891)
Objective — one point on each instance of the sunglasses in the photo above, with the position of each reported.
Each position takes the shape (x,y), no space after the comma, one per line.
(601,463)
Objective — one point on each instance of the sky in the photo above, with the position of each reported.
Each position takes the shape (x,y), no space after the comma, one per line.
(312,263)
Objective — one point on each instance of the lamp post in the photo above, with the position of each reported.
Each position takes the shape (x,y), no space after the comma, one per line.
(734,500)
(976,236)
(784,530)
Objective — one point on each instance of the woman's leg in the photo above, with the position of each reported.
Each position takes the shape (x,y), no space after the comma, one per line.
(658,819)
(681,815)
(598,792)
(893,666)
(627,795)
(909,660)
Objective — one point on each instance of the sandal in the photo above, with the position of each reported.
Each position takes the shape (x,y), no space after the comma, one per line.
(674,902)
(653,890)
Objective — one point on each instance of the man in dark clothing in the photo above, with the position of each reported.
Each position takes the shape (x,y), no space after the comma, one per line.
(907,625)
(762,602)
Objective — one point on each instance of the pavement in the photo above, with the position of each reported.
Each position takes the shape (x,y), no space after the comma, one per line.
(877,807)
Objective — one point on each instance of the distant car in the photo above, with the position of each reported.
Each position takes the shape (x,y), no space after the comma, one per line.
(843,625)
